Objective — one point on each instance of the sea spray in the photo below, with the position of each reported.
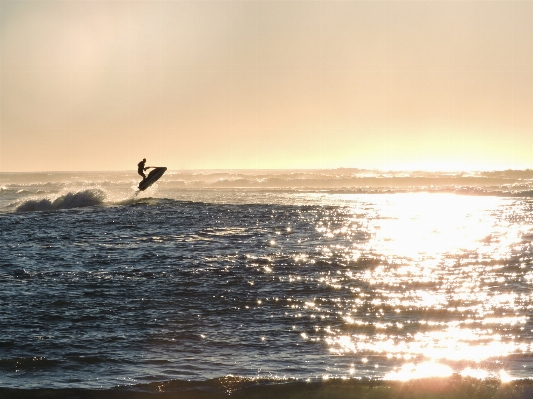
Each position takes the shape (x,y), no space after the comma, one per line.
(77,199)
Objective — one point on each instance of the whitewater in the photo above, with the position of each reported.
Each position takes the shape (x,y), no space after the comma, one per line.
(236,283)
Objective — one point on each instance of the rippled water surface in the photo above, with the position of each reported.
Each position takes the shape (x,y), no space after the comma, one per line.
(178,284)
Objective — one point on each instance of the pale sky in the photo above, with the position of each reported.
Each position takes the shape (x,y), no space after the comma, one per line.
(98,85)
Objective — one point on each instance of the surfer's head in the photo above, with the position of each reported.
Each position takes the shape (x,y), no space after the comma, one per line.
(144,159)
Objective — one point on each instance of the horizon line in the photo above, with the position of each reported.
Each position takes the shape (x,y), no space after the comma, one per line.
(281,169)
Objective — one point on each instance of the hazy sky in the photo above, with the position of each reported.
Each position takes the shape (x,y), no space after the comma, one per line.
(98,85)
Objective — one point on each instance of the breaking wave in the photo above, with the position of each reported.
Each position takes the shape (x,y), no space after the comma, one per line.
(246,388)
(79,199)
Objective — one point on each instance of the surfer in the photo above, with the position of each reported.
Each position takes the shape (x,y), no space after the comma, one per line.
(141,168)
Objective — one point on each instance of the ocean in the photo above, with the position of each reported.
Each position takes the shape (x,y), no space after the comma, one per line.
(266,284)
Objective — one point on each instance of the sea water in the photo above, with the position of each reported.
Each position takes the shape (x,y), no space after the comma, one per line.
(261,275)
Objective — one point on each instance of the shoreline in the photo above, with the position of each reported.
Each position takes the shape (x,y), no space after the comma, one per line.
(454,386)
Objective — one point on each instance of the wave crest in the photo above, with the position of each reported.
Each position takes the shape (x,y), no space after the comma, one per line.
(79,199)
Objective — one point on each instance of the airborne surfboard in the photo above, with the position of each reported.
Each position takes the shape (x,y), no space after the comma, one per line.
(152,177)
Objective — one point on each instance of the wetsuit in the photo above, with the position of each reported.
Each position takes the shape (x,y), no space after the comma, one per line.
(140,169)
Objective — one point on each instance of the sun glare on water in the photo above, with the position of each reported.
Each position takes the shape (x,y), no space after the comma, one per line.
(410,371)
(437,301)
(421,226)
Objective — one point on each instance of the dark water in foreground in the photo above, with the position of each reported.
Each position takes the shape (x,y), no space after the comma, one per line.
(229,387)
(223,291)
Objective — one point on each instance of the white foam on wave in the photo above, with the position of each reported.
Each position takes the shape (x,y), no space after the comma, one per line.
(72,199)
(79,198)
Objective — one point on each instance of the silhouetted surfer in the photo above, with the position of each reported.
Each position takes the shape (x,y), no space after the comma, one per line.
(141,168)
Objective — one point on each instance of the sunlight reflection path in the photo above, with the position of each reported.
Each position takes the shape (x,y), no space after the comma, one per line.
(440,283)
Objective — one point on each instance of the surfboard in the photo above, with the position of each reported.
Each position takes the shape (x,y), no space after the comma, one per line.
(152,177)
